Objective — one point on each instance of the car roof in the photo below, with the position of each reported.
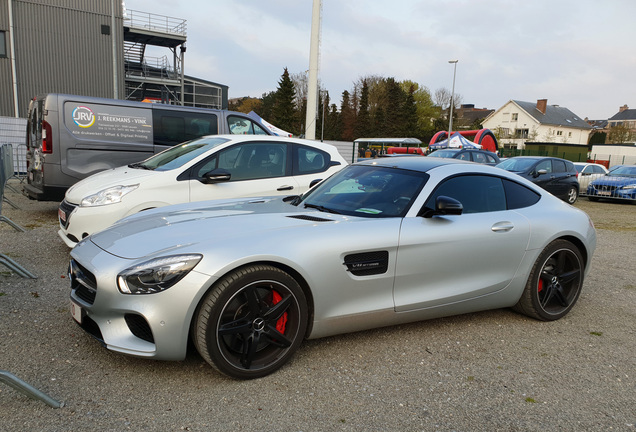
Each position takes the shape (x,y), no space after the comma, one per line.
(421,164)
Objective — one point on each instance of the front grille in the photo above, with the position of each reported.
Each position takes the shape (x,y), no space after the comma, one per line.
(604,188)
(83,282)
(139,327)
(66,208)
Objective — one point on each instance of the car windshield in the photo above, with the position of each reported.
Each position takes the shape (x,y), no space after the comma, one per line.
(366,191)
(177,156)
(623,171)
(443,153)
(516,164)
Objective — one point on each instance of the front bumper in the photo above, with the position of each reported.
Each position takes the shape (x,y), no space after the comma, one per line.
(78,222)
(611,192)
(152,325)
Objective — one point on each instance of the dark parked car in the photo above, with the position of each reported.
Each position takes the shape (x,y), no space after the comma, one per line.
(474,155)
(619,183)
(557,176)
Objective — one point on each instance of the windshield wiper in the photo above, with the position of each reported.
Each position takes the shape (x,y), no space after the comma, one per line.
(322,208)
(138,165)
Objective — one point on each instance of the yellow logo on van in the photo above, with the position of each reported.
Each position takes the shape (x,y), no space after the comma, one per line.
(83,117)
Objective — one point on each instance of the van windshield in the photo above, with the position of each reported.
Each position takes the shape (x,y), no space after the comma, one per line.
(179,155)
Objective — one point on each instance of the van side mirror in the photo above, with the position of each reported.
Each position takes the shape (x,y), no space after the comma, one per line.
(540,172)
(216,176)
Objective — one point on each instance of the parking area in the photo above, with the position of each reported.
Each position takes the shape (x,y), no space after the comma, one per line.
(487,371)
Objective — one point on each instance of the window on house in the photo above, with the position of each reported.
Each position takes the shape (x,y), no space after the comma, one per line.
(3,43)
(569,134)
(521,133)
(515,116)
(559,133)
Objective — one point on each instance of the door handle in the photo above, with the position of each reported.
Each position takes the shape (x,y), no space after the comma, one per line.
(502,227)
(285,188)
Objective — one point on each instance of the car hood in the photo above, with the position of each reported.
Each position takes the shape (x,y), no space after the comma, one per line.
(211,222)
(614,181)
(123,176)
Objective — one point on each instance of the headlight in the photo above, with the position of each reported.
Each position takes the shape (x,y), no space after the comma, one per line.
(157,274)
(631,186)
(107,196)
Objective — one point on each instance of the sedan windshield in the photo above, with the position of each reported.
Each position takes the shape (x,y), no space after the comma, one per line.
(366,191)
(624,171)
(443,153)
(177,156)
(516,164)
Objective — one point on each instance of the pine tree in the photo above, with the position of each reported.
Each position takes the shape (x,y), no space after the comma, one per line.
(363,123)
(284,112)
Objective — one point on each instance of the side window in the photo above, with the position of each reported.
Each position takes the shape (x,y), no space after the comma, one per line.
(3,43)
(259,130)
(477,193)
(242,126)
(174,127)
(309,160)
(491,159)
(464,156)
(252,161)
(546,165)
(558,166)
(597,170)
(518,196)
(589,169)
(479,157)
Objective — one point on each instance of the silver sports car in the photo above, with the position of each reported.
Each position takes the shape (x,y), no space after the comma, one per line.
(382,242)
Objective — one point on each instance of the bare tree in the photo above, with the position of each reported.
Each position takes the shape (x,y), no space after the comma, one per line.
(442,98)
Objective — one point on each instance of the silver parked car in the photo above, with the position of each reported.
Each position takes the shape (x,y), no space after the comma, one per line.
(376,244)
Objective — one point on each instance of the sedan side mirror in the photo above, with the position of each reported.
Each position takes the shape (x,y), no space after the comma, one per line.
(216,176)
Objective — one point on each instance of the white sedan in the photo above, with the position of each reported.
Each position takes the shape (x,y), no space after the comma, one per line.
(588,172)
(211,167)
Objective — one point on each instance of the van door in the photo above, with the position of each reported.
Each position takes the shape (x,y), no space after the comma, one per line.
(100,136)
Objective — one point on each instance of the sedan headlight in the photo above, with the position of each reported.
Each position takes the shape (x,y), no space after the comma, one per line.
(111,195)
(156,275)
(630,186)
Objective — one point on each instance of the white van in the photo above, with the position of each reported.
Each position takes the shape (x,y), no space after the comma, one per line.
(72,137)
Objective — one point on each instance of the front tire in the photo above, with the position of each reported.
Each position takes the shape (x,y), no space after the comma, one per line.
(554,284)
(251,322)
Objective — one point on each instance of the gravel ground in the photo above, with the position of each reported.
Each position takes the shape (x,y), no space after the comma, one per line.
(490,371)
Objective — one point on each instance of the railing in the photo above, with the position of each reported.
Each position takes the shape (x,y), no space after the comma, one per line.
(150,21)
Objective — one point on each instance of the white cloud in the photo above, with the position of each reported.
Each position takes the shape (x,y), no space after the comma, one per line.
(577,54)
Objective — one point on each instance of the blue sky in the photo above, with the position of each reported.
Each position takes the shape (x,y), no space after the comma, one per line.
(577,54)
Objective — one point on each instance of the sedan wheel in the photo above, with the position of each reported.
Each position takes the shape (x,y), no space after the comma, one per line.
(554,284)
(251,322)
(573,194)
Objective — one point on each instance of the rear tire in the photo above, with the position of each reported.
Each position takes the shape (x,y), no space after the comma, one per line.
(554,284)
(251,322)
(573,195)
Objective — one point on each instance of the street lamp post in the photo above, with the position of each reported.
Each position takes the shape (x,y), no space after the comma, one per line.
(452,100)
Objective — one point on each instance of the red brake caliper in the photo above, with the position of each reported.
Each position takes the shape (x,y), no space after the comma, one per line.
(540,288)
(282,321)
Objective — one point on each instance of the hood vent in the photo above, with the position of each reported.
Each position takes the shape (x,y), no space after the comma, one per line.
(310,218)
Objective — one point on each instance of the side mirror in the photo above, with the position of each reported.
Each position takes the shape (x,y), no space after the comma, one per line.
(216,176)
(444,206)
(314,183)
(540,172)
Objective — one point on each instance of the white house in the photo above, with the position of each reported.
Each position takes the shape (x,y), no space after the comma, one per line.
(517,122)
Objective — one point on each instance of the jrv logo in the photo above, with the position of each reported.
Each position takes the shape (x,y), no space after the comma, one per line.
(83,117)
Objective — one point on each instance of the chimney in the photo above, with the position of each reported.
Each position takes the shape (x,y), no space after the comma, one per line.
(623,108)
(542,104)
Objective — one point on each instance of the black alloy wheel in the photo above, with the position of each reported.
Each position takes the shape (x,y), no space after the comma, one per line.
(554,284)
(251,322)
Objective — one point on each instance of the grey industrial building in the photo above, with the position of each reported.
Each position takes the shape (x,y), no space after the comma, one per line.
(94,48)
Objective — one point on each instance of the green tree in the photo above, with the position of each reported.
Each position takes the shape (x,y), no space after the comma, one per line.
(348,118)
(363,123)
(284,111)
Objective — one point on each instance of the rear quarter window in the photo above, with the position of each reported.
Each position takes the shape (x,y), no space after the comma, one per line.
(519,196)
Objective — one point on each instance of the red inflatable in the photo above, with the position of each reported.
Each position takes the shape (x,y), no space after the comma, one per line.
(484,137)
